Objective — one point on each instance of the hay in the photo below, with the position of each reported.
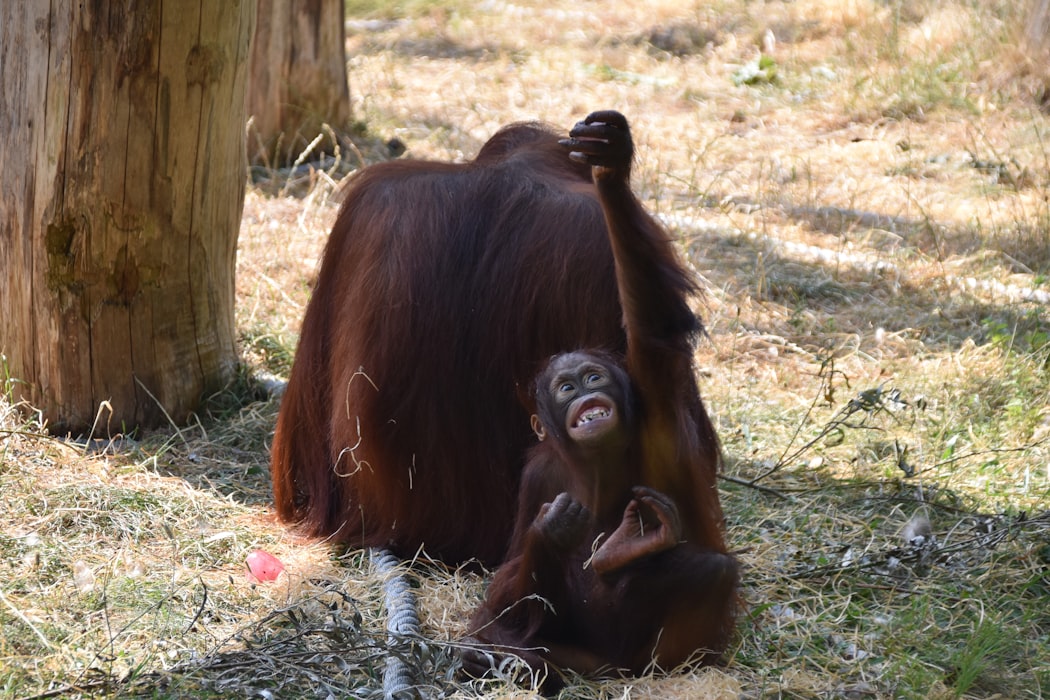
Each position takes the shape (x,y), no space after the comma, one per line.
(871,230)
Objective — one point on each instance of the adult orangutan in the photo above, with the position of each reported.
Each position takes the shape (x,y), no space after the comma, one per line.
(617,560)
(443,290)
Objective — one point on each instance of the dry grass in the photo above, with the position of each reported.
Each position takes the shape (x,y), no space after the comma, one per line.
(870,220)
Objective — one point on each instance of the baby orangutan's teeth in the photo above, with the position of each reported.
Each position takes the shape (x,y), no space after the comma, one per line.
(592,414)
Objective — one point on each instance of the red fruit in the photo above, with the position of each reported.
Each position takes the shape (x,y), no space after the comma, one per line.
(263,566)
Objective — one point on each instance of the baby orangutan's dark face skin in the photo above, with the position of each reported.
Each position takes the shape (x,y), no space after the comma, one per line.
(581,401)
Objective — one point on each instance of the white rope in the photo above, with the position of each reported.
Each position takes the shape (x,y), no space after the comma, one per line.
(402,620)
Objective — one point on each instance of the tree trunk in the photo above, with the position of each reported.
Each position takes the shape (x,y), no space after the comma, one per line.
(122,136)
(298,80)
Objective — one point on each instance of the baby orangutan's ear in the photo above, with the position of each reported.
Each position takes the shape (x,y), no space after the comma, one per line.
(538,428)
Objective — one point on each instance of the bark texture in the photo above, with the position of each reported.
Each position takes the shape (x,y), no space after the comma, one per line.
(122,136)
(298,83)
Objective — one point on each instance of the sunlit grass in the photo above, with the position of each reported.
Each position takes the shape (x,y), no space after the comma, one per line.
(871,229)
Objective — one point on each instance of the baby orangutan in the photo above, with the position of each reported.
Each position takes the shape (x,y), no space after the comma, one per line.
(617,561)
